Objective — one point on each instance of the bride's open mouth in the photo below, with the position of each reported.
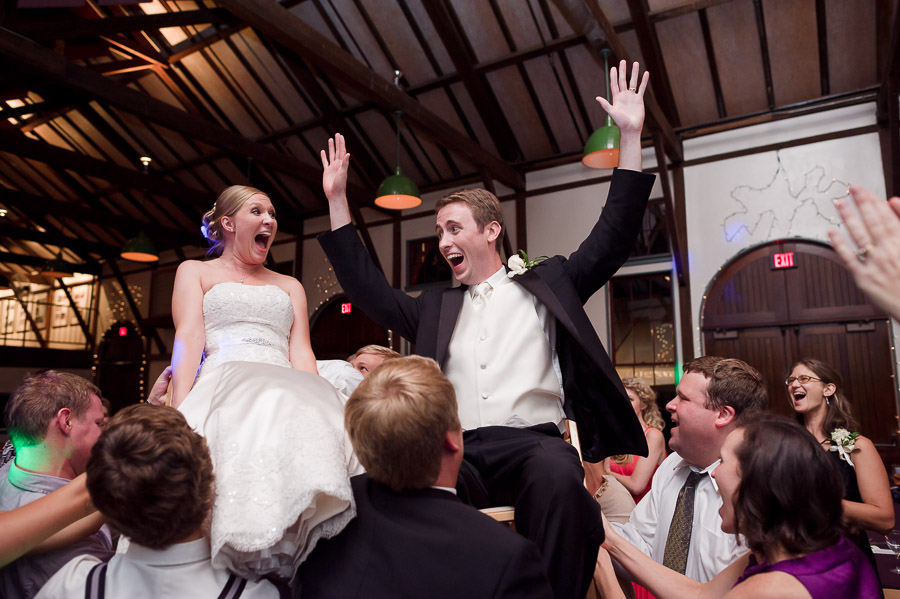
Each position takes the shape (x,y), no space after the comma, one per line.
(262,241)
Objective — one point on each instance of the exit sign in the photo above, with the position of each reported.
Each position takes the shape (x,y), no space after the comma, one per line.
(783,260)
(346,307)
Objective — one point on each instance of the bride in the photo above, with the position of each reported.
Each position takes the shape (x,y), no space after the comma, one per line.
(274,428)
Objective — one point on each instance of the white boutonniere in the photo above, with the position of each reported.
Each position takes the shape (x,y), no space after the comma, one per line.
(519,263)
(843,442)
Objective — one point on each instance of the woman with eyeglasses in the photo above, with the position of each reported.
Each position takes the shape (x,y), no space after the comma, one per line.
(817,397)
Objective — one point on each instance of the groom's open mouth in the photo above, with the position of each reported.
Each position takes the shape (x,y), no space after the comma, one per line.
(262,241)
(455,259)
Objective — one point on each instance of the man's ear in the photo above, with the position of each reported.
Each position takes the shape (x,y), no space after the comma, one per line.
(64,420)
(453,441)
(493,230)
(725,416)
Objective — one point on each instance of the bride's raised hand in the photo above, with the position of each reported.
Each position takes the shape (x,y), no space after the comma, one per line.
(336,165)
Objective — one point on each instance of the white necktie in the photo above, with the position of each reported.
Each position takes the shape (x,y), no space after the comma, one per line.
(480,294)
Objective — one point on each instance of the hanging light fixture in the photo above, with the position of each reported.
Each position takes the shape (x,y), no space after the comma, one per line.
(398,192)
(140,248)
(57,267)
(602,147)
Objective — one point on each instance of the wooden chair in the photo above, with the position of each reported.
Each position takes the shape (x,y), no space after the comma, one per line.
(506,513)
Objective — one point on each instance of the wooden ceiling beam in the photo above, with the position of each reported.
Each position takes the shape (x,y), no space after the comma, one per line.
(285,28)
(41,62)
(70,29)
(764,50)
(61,241)
(446,23)
(713,64)
(102,218)
(586,18)
(888,111)
(822,37)
(36,262)
(649,43)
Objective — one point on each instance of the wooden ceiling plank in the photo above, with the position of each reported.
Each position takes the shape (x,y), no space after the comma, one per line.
(281,26)
(649,43)
(713,64)
(37,262)
(56,239)
(71,29)
(45,63)
(888,110)
(586,18)
(446,23)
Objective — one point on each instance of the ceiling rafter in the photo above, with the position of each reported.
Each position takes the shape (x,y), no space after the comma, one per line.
(764,50)
(70,29)
(649,43)
(45,63)
(713,64)
(446,23)
(282,26)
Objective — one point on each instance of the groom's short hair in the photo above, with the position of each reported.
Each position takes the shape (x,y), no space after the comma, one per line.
(484,205)
(151,476)
(397,420)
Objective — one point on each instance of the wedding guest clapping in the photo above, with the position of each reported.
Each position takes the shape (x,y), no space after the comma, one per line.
(875,264)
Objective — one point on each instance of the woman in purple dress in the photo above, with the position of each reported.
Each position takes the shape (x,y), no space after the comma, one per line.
(783,494)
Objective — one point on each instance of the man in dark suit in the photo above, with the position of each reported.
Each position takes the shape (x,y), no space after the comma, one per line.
(411,536)
(520,352)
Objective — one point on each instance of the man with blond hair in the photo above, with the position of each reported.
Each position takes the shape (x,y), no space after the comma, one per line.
(368,357)
(411,536)
(54,419)
(151,477)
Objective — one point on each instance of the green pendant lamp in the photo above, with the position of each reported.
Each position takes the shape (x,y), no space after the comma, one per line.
(57,267)
(140,248)
(602,147)
(398,192)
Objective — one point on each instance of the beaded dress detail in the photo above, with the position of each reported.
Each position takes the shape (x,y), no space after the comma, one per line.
(281,457)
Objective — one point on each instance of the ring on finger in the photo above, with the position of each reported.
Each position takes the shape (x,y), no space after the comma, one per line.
(862,254)
(632,89)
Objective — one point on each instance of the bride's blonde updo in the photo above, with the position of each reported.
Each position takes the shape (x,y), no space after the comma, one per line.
(227,204)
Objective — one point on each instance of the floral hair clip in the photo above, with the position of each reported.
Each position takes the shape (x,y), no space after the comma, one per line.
(519,263)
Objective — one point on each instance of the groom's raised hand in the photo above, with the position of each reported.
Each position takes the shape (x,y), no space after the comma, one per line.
(336,165)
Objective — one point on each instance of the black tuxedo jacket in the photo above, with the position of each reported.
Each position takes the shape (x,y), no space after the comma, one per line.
(418,544)
(594,396)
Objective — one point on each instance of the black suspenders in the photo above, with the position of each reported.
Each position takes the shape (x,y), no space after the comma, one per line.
(95,585)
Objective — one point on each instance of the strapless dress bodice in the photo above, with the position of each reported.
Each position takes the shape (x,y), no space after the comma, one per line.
(246,323)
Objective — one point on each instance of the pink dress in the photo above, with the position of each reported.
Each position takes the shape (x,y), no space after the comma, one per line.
(627,470)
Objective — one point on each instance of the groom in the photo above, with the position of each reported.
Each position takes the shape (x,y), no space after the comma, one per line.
(521,353)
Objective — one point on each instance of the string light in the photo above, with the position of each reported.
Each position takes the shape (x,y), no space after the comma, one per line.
(810,183)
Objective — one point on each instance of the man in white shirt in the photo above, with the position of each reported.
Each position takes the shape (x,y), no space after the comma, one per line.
(520,352)
(151,476)
(54,419)
(712,396)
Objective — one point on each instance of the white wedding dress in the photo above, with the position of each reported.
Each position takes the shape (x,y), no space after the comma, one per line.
(281,458)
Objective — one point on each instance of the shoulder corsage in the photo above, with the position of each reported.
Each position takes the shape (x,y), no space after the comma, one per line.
(843,442)
(519,263)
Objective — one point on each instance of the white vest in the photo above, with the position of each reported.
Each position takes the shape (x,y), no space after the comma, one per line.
(501,363)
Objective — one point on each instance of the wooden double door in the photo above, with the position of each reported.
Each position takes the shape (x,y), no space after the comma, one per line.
(771,317)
